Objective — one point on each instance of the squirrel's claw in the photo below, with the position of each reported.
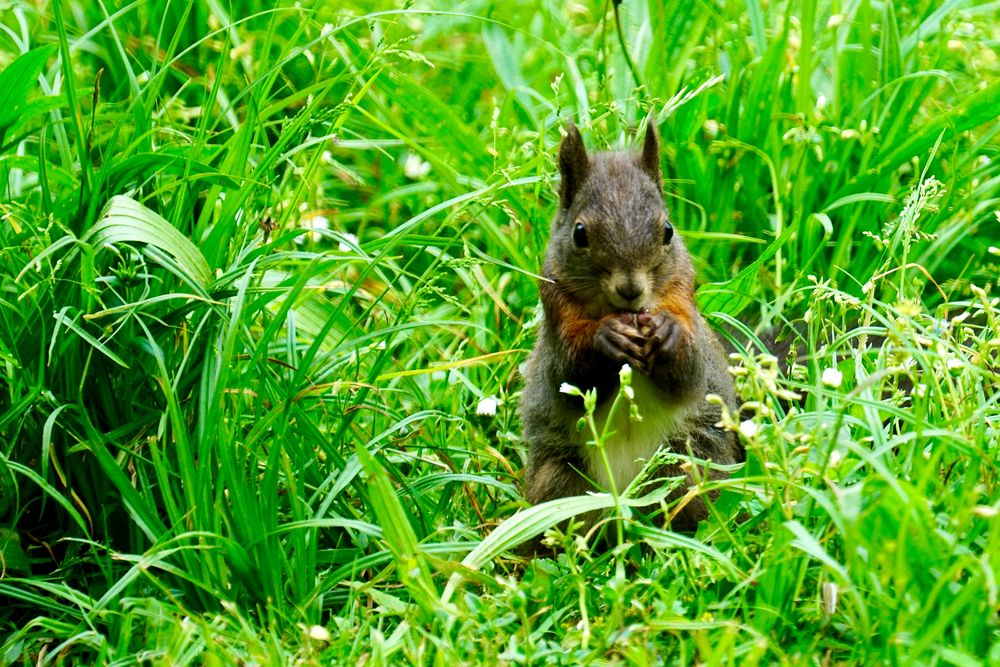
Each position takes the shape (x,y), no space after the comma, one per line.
(619,341)
(663,338)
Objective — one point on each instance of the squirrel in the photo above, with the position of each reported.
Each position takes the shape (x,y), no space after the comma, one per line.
(618,289)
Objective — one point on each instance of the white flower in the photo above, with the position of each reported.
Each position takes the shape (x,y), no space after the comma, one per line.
(414,168)
(487,407)
(349,242)
(319,633)
(748,428)
(316,224)
(625,375)
(832,377)
(567,388)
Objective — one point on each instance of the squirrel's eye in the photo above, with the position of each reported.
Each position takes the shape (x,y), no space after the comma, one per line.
(668,233)
(580,235)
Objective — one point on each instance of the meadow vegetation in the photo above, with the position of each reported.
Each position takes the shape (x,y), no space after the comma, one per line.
(268,273)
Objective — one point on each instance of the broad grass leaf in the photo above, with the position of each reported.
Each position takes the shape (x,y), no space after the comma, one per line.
(29,110)
(125,220)
(525,525)
(534,521)
(17,81)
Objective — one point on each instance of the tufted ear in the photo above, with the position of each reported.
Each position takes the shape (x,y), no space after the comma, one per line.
(649,162)
(573,165)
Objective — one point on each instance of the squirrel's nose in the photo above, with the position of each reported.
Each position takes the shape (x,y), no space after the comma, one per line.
(629,291)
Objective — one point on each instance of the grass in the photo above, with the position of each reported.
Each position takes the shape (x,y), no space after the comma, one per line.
(261,265)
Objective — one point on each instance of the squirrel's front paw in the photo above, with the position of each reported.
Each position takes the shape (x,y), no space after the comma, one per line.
(663,336)
(618,339)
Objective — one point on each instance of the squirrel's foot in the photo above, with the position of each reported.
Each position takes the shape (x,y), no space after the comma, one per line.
(618,339)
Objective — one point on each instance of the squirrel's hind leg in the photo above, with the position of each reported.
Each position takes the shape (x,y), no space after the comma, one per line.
(551,478)
(547,479)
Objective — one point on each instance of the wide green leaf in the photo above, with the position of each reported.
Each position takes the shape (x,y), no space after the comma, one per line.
(17,81)
(125,220)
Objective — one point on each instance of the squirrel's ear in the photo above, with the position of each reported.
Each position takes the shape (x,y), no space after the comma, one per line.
(650,159)
(573,165)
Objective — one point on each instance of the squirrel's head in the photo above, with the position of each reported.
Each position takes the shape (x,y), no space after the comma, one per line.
(612,243)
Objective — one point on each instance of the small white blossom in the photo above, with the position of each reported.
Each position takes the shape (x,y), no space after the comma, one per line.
(316,225)
(748,428)
(487,407)
(832,377)
(567,388)
(349,242)
(625,375)
(414,168)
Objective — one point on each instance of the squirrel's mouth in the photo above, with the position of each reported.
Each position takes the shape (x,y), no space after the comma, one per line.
(615,304)
(627,291)
(605,299)
(628,303)
(629,311)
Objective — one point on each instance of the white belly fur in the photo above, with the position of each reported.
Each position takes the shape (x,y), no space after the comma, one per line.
(633,442)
